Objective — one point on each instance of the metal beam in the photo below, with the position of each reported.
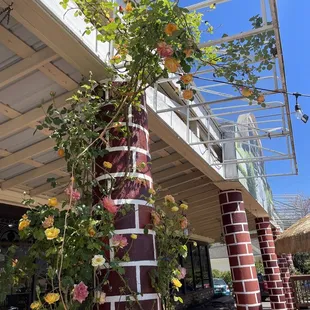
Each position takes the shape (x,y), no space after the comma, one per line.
(237,36)
(268,136)
(204,4)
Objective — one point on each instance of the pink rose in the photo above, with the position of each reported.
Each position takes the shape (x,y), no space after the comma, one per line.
(80,292)
(75,194)
(182,273)
(119,241)
(184,223)
(109,205)
(164,50)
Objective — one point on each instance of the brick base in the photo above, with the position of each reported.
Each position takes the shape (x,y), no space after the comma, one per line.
(270,261)
(240,254)
(134,192)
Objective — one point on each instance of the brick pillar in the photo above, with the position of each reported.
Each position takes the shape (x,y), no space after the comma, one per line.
(270,261)
(290,263)
(133,192)
(240,252)
(285,274)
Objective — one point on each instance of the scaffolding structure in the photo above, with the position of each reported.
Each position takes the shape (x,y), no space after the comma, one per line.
(228,118)
(291,207)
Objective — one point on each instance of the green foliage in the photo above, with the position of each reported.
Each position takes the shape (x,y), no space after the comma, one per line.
(169,222)
(152,39)
(259,267)
(302,263)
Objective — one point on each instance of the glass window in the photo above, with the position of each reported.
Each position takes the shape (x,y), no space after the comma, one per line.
(189,279)
(204,265)
(197,267)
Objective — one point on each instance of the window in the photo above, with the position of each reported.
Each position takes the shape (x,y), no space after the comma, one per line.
(198,270)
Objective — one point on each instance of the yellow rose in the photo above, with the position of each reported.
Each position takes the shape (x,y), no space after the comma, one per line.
(188,94)
(174,209)
(169,198)
(107,165)
(23,224)
(128,7)
(151,201)
(91,232)
(35,305)
(25,217)
(51,298)
(187,78)
(152,191)
(133,236)
(184,206)
(176,283)
(52,233)
(53,202)
(170,29)
(171,64)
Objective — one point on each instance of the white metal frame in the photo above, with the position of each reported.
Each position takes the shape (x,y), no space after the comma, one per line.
(266,125)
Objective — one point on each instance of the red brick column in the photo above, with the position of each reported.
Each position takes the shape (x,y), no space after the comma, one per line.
(285,273)
(133,192)
(240,252)
(290,263)
(270,261)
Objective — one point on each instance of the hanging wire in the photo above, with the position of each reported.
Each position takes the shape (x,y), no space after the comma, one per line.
(6,12)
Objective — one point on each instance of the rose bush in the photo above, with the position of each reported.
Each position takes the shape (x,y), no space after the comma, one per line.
(68,236)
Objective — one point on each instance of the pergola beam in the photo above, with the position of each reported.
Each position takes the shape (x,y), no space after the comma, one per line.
(24,120)
(183,188)
(34,174)
(26,66)
(26,153)
(180,180)
(164,161)
(158,146)
(21,49)
(47,186)
(171,172)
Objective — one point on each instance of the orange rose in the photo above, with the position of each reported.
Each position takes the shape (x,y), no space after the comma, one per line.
(170,29)
(246,92)
(188,94)
(61,152)
(187,78)
(261,99)
(171,64)
(188,52)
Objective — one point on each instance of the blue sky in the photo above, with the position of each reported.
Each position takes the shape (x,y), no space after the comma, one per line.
(231,18)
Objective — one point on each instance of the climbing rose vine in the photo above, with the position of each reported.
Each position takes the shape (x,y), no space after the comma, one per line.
(68,236)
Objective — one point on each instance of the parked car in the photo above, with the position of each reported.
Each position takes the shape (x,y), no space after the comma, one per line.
(220,288)
(263,286)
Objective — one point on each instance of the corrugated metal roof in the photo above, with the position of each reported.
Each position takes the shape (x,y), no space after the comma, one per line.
(21,140)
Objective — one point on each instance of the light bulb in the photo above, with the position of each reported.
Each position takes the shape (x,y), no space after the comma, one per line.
(299,114)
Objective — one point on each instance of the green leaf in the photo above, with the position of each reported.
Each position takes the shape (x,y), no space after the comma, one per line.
(145,231)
